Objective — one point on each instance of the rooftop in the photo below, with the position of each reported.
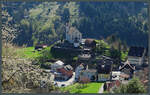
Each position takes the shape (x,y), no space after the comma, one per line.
(136,51)
(85,56)
(89,41)
(68,67)
(73,29)
(59,62)
(64,72)
(127,63)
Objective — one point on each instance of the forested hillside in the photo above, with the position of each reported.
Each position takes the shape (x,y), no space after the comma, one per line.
(43,22)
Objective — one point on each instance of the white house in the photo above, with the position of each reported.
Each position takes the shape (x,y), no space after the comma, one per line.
(136,55)
(56,65)
(116,75)
(89,73)
(73,35)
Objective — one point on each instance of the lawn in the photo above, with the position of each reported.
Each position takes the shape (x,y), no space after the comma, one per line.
(78,88)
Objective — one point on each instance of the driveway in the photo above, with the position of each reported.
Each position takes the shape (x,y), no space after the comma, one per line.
(66,83)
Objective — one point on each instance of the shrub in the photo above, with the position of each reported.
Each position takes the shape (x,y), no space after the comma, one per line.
(134,86)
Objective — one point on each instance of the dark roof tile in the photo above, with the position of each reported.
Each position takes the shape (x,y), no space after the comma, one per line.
(136,51)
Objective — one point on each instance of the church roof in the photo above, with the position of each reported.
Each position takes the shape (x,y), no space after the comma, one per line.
(73,29)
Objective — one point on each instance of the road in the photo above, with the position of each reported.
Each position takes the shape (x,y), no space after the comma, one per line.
(101,89)
(66,83)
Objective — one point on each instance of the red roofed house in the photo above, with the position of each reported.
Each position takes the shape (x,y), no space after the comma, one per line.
(63,74)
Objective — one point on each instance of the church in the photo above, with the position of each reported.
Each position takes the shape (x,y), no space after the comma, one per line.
(73,35)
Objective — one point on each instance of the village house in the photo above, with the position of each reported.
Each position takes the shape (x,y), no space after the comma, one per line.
(56,65)
(104,69)
(64,73)
(90,43)
(88,46)
(91,74)
(73,35)
(127,69)
(84,57)
(116,75)
(78,71)
(136,55)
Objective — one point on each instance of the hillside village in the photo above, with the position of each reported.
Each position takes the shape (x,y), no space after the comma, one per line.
(104,71)
(75,47)
(75,63)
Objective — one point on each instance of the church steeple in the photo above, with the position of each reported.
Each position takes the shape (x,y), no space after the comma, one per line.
(67,26)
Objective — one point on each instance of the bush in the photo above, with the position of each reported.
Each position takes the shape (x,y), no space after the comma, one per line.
(134,86)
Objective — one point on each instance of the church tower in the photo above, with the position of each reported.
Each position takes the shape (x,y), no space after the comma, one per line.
(67,30)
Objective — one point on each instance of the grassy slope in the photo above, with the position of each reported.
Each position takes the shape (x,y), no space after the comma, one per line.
(27,52)
(30,53)
(90,88)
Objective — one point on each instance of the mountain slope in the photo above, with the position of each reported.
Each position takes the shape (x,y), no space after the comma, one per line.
(44,22)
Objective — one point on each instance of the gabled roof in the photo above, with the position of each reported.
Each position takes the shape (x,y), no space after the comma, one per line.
(65,72)
(89,41)
(125,64)
(105,65)
(59,62)
(136,51)
(73,29)
(68,67)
